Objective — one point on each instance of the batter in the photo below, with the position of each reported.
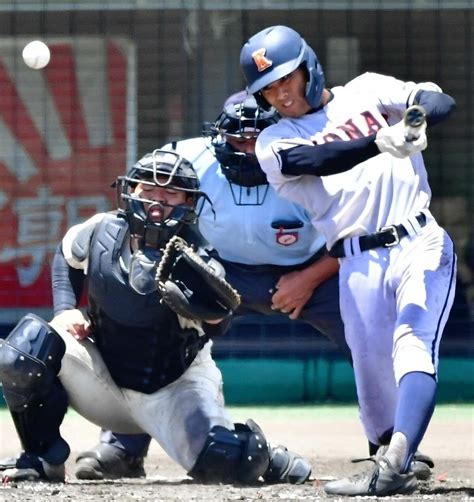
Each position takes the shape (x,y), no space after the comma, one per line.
(343,156)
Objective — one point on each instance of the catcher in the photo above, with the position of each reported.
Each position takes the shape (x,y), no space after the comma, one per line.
(140,361)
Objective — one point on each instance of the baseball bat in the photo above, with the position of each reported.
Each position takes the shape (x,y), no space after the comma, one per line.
(414,118)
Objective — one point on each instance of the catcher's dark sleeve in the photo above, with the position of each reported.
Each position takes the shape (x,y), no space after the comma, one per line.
(213,330)
(67,282)
(329,158)
(438,106)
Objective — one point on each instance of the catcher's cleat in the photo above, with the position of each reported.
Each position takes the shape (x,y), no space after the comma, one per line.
(421,464)
(28,467)
(286,467)
(105,461)
(8,463)
(379,480)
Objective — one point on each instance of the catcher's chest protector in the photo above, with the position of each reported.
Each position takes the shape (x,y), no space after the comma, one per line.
(140,339)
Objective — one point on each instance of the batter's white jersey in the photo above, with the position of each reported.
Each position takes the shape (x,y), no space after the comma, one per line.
(380,191)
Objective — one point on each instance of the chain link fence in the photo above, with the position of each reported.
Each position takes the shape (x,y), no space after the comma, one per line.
(128,76)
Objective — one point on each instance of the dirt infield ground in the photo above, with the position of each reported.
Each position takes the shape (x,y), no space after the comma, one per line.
(328,436)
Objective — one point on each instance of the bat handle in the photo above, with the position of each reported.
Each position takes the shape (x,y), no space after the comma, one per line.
(414,118)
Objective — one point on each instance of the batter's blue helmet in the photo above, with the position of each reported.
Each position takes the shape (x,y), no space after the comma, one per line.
(274,53)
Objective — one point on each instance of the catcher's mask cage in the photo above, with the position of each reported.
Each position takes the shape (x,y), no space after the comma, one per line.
(165,169)
(243,120)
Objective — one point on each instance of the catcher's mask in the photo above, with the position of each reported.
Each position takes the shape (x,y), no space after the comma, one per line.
(242,119)
(158,169)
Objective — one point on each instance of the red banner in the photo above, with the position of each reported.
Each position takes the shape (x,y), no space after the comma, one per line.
(66,132)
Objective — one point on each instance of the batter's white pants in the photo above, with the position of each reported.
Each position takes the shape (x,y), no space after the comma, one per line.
(395,303)
(178,416)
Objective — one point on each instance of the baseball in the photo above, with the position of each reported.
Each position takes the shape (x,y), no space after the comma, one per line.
(36,54)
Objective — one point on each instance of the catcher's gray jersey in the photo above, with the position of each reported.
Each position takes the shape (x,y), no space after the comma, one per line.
(126,323)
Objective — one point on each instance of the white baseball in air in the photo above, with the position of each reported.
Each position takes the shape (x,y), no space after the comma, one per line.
(36,54)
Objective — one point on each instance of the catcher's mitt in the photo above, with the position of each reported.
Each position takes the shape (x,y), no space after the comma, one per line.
(191,287)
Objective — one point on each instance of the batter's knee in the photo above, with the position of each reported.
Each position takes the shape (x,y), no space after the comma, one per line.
(238,456)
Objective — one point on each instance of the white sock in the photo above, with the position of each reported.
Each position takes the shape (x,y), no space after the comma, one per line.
(397,450)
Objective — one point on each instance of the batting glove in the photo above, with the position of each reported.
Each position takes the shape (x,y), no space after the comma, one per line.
(392,140)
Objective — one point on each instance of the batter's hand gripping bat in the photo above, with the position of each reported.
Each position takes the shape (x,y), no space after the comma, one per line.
(414,118)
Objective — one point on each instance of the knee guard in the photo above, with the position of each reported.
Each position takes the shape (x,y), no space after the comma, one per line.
(30,359)
(238,456)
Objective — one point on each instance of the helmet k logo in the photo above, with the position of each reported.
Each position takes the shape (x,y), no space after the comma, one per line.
(260,60)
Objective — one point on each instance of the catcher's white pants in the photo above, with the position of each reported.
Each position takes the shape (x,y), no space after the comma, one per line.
(395,303)
(178,416)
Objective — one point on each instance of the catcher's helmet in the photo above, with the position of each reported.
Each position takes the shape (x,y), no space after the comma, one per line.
(275,52)
(165,169)
(241,118)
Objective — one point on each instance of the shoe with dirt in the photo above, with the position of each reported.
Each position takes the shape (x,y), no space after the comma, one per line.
(8,463)
(380,480)
(28,467)
(286,467)
(105,461)
(421,464)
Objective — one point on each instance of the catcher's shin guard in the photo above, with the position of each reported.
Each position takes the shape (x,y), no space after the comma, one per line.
(30,359)
(238,456)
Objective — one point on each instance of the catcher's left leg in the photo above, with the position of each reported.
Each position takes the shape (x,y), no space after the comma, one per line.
(30,359)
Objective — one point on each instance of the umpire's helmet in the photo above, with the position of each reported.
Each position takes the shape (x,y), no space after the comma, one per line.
(275,52)
(165,169)
(241,118)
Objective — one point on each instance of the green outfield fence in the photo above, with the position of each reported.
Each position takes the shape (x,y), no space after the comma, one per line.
(128,76)
(321,380)
(275,361)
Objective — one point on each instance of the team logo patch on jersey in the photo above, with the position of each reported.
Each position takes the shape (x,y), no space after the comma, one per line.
(260,60)
(286,238)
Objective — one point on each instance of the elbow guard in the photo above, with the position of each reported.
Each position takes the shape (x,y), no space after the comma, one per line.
(438,106)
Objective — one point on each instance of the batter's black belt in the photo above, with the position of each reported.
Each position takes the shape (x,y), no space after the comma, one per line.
(386,237)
